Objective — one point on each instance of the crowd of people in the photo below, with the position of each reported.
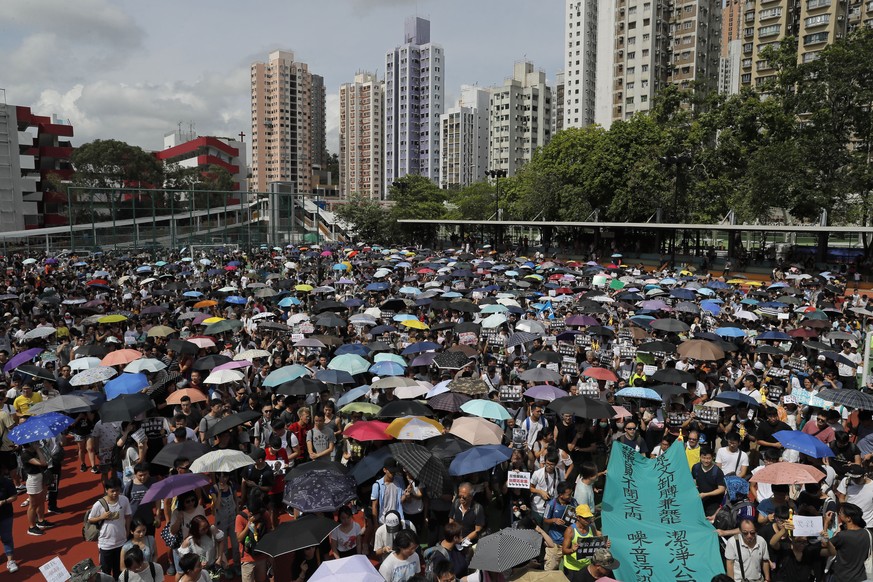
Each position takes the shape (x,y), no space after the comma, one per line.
(419,380)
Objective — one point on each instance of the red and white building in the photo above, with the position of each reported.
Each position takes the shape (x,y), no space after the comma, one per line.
(192,151)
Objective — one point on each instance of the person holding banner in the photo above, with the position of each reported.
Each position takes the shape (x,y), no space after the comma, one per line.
(583,528)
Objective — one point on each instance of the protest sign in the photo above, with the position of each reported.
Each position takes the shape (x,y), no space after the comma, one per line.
(588,545)
(654,519)
(808,399)
(510,393)
(54,571)
(706,414)
(807,526)
(518,480)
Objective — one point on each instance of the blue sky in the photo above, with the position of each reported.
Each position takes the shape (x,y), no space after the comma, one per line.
(133,70)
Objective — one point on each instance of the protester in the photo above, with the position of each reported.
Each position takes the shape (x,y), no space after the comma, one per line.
(112,513)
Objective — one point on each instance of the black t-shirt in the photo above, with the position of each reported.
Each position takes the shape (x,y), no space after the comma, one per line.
(789,569)
(765,432)
(263,477)
(27,454)
(707,480)
(853,547)
(584,575)
(469,520)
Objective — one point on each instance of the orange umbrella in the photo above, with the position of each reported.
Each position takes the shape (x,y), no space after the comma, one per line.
(193,393)
(120,357)
(205,303)
(787,474)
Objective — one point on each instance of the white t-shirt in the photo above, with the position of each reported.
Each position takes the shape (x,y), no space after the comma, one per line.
(727,460)
(346,541)
(113,532)
(548,483)
(860,495)
(145,575)
(393,569)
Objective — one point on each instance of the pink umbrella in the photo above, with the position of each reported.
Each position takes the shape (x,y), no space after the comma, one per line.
(201,342)
(326,253)
(787,474)
(621,412)
(233,365)
(200,318)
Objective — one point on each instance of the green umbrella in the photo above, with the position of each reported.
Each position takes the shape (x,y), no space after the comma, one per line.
(223,326)
(351,363)
(364,407)
(390,358)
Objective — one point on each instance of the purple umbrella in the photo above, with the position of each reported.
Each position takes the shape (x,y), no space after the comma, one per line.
(653,304)
(200,318)
(232,365)
(175,485)
(585,320)
(425,359)
(544,392)
(21,358)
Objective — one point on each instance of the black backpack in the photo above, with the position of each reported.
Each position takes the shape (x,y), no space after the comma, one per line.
(728,515)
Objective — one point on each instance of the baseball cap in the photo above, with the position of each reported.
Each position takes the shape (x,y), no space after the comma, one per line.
(584,511)
(604,558)
(855,471)
(392,522)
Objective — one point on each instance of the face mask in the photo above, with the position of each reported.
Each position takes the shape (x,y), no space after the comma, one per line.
(619,424)
(517,514)
(604,424)
(459,547)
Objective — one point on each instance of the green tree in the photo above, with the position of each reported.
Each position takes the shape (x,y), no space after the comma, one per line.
(414,197)
(474,202)
(113,164)
(367,219)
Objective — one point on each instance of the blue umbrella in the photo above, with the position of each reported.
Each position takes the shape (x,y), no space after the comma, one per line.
(37,428)
(192,294)
(358,349)
(480,458)
(711,306)
(717,285)
(289,301)
(125,384)
(419,347)
(730,332)
(639,392)
(774,335)
(380,329)
(353,302)
(387,369)
(236,300)
(340,267)
(285,374)
(485,409)
(378,287)
(735,398)
(334,377)
(371,465)
(352,395)
(686,294)
(805,443)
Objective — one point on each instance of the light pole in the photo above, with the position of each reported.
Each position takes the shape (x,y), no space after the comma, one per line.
(496,174)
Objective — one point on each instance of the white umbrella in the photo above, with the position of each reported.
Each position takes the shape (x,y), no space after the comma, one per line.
(263,315)
(530,326)
(251,355)
(223,461)
(224,377)
(38,333)
(80,364)
(93,375)
(145,365)
(297,318)
(494,320)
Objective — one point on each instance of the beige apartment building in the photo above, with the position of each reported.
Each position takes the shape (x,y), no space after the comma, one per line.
(288,124)
(815,24)
(659,43)
(361,137)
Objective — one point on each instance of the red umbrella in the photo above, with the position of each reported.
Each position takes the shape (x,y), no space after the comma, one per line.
(600,374)
(97,282)
(368,430)
(802,332)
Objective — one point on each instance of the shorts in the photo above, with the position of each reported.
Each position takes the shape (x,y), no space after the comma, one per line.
(34,484)
(80,438)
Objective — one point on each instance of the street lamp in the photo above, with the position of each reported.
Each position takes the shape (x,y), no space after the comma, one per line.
(496,174)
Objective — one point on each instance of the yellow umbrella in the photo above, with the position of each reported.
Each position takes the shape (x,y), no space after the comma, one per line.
(305,288)
(737,282)
(115,318)
(209,320)
(161,331)
(414,324)
(416,428)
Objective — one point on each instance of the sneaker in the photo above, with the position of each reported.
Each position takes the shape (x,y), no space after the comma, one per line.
(83,467)
(12,566)
(171,571)
(95,470)
(35,531)
(45,524)
(25,503)
(53,511)
(20,489)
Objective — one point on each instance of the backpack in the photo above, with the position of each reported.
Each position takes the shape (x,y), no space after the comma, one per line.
(91,531)
(729,514)
(433,555)
(151,569)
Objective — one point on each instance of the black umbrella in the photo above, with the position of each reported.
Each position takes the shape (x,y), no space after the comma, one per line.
(673,376)
(207,363)
(300,387)
(232,421)
(183,347)
(657,347)
(520,338)
(304,532)
(464,306)
(184,450)
(379,346)
(36,372)
(423,465)
(329,305)
(451,360)
(506,549)
(396,305)
(319,491)
(329,319)
(447,446)
(448,401)
(546,356)
(600,330)
(816,345)
(274,325)
(125,407)
(316,465)
(765,349)
(837,358)
(669,324)
(669,389)
(468,327)
(401,408)
(849,398)
(583,406)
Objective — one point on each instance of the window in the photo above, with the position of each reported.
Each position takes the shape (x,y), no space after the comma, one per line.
(769,30)
(813,4)
(816,38)
(813,21)
(770,13)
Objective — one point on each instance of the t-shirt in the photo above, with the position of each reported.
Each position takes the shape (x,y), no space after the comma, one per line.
(383,538)
(853,547)
(468,520)
(825,435)
(144,576)
(346,541)
(861,495)
(707,481)
(752,557)
(22,403)
(765,432)
(113,532)
(207,422)
(320,439)
(134,493)
(388,495)
(105,433)
(544,481)
(727,460)
(393,569)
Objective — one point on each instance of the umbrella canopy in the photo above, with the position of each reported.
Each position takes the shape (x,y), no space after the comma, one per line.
(447,446)
(319,491)
(193,393)
(319,465)
(425,467)
(506,549)
(285,374)
(65,403)
(600,374)
(21,358)
(351,363)
(36,372)
(125,384)
(174,485)
(93,376)
(805,443)
(190,450)
(301,387)
(357,568)
(787,474)
(479,458)
(477,431)
(120,357)
(486,409)
(414,428)
(734,398)
(698,349)
(849,398)
(224,377)
(304,532)
(540,376)
(670,325)
(638,392)
(362,407)
(368,430)
(232,421)
(399,408)
(583,406)
(160,331)
(125,407)
(144,365)
(85,363)
(544,392)
(673,376)
(221,461)
(38,333)
(448,401)
(469,386)
(37,428)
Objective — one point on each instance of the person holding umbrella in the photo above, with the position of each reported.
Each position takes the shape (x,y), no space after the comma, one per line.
(35,463)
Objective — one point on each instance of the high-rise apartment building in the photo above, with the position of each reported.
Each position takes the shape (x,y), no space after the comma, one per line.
(558,109)
(580,62)
(318,122)
(520,118)
(287,105)
(815,24)
(361,137)
(464,139)
(731,47)
(657,43)
(414,101)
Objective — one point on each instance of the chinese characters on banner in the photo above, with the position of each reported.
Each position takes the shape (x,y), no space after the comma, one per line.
(654,519)
(518,480)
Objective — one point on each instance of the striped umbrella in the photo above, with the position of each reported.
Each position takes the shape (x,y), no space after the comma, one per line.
(425,468)
(506,549)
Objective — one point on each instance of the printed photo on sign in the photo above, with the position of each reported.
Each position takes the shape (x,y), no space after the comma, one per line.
(518,480)
(510,393)
(519,438)
(588,545)
(706,414)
